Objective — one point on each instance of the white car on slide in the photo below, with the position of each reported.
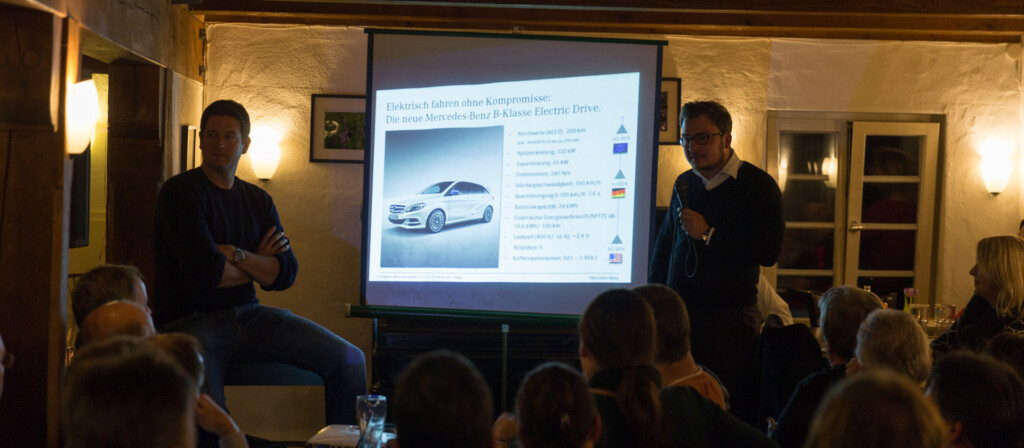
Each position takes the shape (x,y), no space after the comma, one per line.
(441,204)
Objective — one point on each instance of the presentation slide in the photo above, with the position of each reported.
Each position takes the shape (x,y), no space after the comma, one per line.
(481,188)
(527,192)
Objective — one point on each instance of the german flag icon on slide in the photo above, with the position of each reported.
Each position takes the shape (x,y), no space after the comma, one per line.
(618,193)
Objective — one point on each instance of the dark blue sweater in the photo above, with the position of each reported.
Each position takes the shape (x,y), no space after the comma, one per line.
(193,215)
(746,213)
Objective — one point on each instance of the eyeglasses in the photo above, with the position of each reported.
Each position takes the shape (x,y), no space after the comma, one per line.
(701,139)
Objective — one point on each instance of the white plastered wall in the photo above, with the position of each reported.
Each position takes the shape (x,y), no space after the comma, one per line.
(273,70)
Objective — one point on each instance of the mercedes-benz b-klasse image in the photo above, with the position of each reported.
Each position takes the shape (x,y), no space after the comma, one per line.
(441,204)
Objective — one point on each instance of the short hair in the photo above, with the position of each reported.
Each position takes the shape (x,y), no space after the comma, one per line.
(986,396)
(602,334)
(671,319)
(102,285)
(842,310)
(123,392)
(1001,259)
(893,339)
(185,349)
(1008,347)
(554,408)
(878,409)
(715,112)
(441,400)
(227,108)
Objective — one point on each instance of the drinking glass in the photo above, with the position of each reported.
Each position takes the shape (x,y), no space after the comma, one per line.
(371,410)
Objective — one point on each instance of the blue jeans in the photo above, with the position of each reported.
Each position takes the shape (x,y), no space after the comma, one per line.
(273,334)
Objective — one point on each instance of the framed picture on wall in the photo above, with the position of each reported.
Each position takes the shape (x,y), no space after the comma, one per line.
(338,128)
(668,114)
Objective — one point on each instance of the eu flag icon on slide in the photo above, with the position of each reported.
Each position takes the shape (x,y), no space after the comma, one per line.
(620,148)
(618,193)
(615,258)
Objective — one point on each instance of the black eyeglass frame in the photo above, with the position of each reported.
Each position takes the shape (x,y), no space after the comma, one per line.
(701,139)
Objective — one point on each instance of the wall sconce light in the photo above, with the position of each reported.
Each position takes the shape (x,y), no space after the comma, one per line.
(265,152)
(81,111)
(995,165)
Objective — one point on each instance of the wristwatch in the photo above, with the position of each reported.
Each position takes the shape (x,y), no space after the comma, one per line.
(238,255)
(706,236)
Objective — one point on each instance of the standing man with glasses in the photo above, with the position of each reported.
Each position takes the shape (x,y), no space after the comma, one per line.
(720,228)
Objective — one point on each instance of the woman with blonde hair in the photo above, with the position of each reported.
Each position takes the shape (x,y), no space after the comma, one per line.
(880,409)
(998,301)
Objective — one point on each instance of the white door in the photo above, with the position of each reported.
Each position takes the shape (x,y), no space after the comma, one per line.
(858,200)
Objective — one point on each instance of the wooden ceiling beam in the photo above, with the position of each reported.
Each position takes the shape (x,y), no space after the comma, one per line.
(829,25)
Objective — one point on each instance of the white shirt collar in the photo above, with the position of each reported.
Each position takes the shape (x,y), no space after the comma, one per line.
(731,169)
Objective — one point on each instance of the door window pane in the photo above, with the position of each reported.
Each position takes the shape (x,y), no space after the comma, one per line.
(891,250)
(807,175)
(892,155)
(807,249)
(805,152)
(888,202)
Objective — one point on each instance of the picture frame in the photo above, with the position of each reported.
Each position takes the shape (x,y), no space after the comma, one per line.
(337,128)
(668,114)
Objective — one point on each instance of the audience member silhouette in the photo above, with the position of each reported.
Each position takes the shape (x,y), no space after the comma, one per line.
(554,409)
(894,340)
(878,409)
(184,348)
(982,400)
(998,301)
(116,318)
(442,401)
(841,311)
(617,340)
(125,393)
(105,284)
(672,355)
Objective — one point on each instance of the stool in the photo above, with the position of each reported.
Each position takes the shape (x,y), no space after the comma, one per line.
(252,372)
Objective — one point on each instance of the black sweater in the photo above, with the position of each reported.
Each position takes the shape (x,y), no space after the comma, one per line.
(746,213)
(192,216)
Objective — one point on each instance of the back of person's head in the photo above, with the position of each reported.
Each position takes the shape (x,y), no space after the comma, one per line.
(116,318)
(877,409)
(185,349)
(442,400)
(984,396)
(1001,259)
(671,319)
(554,408)
(1008,347)
(105,284)
(226,108)
(716,112)
(123,392)
(894,340)
(618,331)
(842,310)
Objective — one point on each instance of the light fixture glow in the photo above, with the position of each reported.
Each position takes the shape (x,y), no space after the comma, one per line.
(995,165)
(81,111)
(265,152)
(783,172)
(830,169)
